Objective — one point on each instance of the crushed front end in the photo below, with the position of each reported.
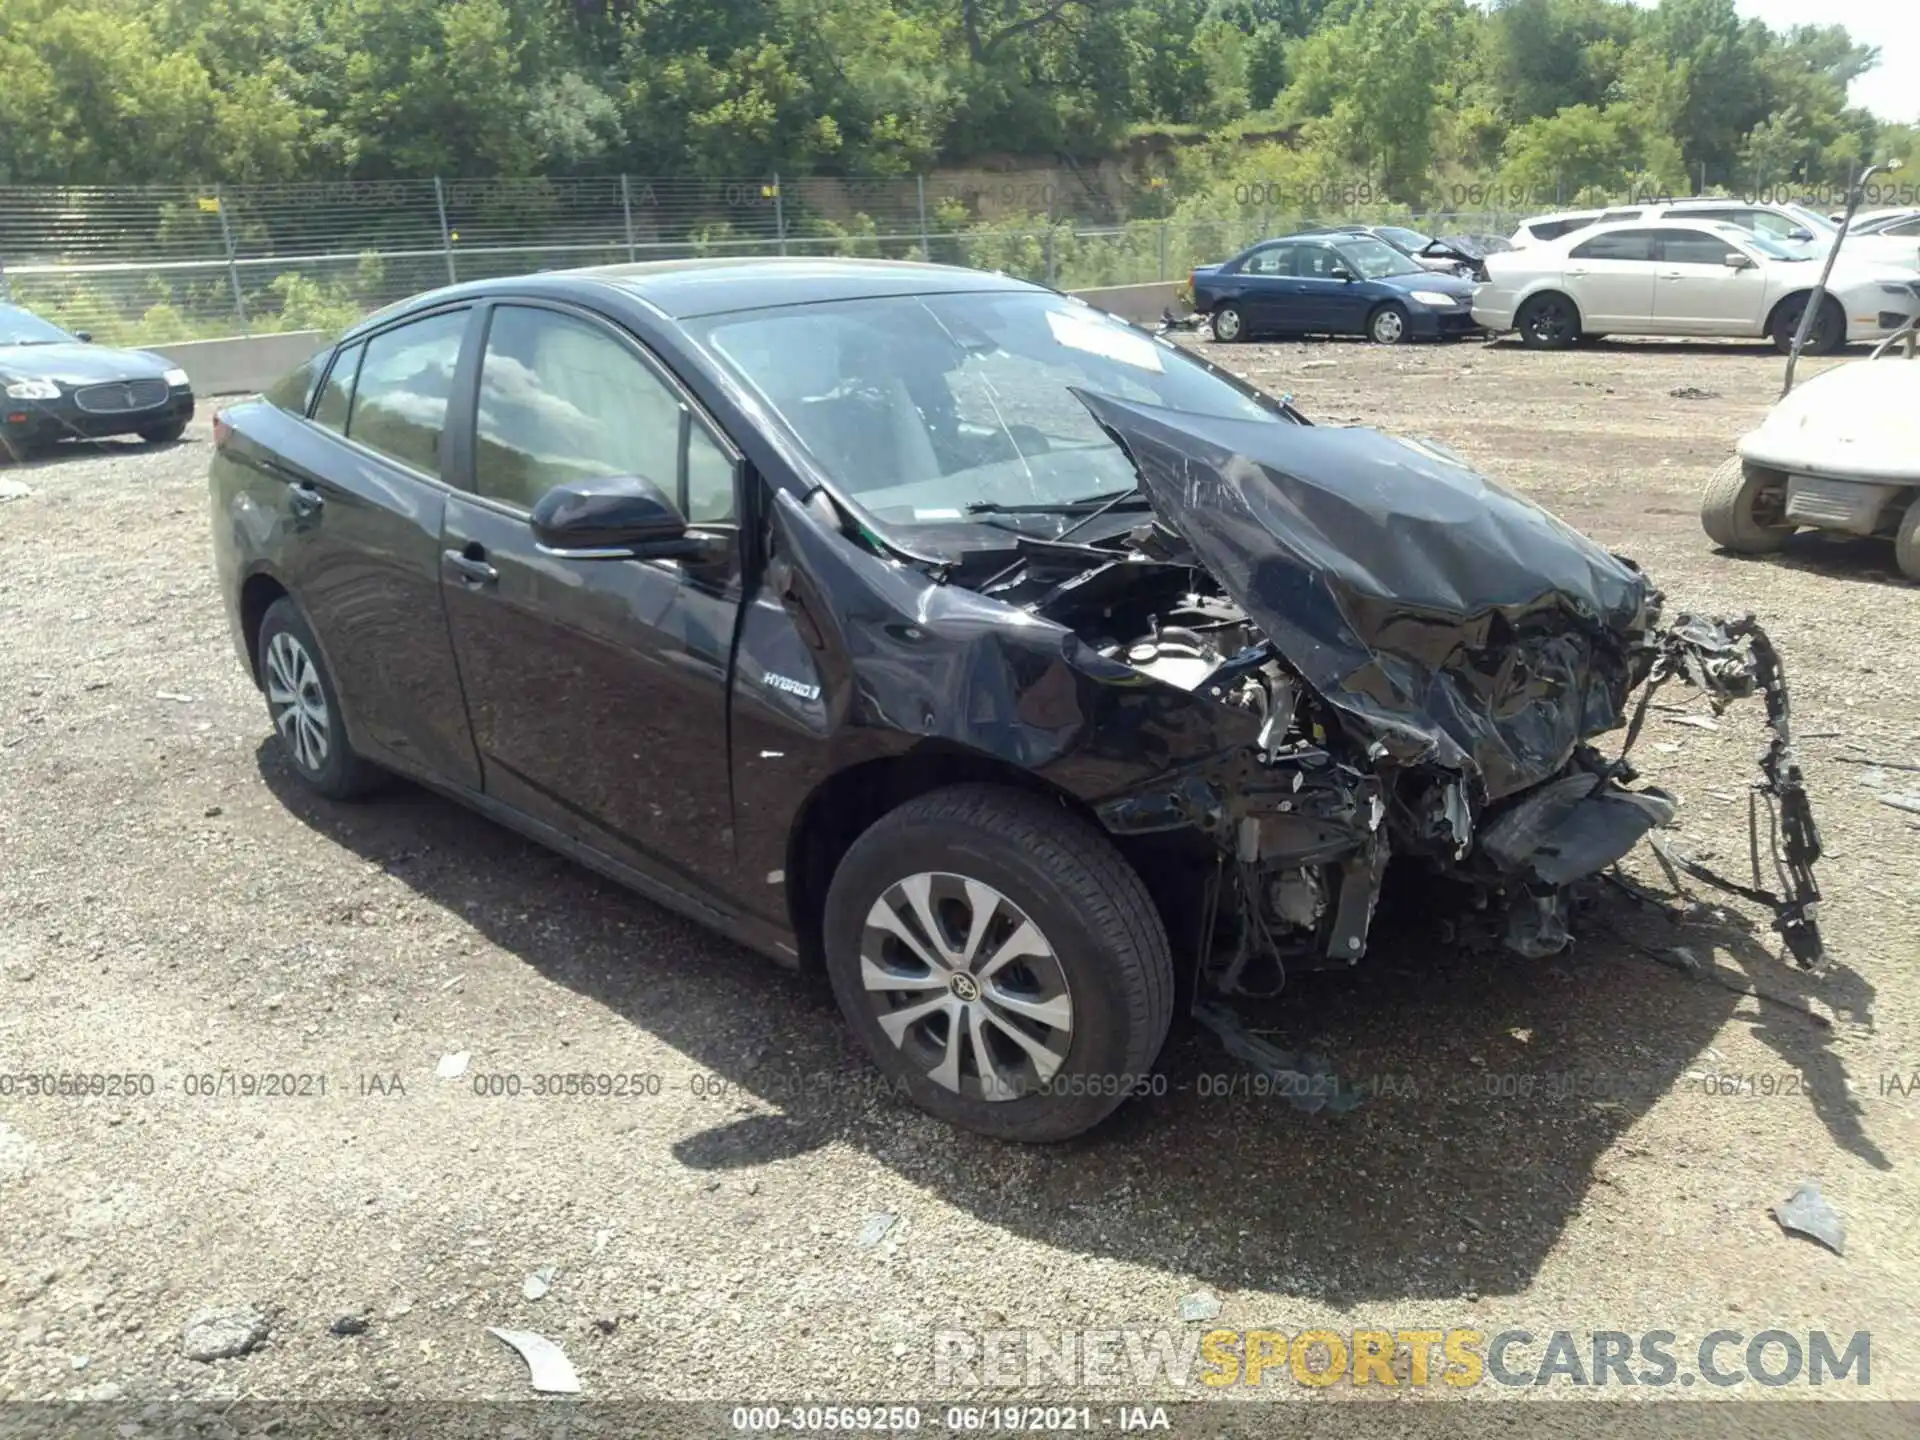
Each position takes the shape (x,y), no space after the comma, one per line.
(1418,664)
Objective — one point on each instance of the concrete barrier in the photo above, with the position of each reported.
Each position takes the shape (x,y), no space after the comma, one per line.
(1139,303)
(241,364)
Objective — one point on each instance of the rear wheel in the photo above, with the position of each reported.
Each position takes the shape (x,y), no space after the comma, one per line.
(1744,508)
(1229,325)
(164,434)
(1388,325)
(305,708)
(1000,961)
(1548,322)
(1906,542)
(1826,335)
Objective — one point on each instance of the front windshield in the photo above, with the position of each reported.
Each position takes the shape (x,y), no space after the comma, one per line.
(1372,258)
(18,327)
(927,409)
(1812,219)
(1408,240)
(1768,246)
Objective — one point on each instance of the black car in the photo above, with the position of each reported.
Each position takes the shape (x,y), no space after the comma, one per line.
(58,386)
(1019,669)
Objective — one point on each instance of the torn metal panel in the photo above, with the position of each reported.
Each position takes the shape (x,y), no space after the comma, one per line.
(1448,619)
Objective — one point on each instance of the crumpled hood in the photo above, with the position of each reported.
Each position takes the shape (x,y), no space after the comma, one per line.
(1455,622)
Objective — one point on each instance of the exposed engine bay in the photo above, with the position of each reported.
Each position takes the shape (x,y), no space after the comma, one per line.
(1426,690)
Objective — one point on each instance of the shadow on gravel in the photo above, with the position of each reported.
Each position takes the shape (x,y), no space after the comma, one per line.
(45,457)
(1868,558)
(1497,1084)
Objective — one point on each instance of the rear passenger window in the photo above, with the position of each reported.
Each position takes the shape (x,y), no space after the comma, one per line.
(1554,229)
(337,398)
(1691,247)
(1622,245)
(406,378)
(294,393)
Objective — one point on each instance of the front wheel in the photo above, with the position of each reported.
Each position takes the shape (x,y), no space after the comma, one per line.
(1229,325)
(1000,961)
(1744,508)
(305,708)
(1548,322)
(1906,542)
(164,434)
(1826,335)
(1388,325)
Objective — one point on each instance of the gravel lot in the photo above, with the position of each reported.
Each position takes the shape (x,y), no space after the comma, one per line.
(171,906)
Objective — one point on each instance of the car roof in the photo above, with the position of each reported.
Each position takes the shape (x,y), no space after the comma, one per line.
(686,288)
(1649,222)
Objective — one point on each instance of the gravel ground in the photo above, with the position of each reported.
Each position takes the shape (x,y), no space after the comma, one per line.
(174,908)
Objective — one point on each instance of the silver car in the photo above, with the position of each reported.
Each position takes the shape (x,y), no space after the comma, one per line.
(1686,278)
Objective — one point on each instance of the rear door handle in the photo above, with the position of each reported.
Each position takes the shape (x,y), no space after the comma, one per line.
(1673,275)
(303,499)
(472,569)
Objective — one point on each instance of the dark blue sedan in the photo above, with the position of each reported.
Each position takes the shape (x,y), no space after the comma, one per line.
(1331,284)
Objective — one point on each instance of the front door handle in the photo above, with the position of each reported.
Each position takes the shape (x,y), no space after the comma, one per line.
(1571,271)
(304,500)
(471,568)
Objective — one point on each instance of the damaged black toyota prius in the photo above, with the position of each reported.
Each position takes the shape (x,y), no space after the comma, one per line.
(1026,673)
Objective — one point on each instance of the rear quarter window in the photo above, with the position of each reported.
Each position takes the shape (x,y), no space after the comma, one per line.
(337,398)
(294,392)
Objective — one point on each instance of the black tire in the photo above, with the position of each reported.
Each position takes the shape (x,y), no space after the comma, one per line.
(1827,334)
(1229,324)
(1099,930)
(1906,541)
(1740,507)
(340,772)
(164,434)
(1549,321)
(1389,324)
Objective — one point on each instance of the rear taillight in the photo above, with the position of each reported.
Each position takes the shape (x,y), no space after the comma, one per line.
(222,431)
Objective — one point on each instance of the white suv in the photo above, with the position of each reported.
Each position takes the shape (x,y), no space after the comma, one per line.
(1686,277)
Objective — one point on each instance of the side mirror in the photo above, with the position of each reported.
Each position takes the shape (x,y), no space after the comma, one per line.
(1800,233)
(1734,260)
(1340,272)
(612,517)
(85,337)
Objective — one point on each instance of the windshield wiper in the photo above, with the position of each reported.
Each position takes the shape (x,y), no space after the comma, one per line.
(1086,505)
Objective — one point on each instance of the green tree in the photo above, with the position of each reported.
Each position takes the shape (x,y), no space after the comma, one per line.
(1374,79)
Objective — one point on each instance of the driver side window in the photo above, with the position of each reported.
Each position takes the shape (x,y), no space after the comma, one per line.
(562,399)
(1316,262)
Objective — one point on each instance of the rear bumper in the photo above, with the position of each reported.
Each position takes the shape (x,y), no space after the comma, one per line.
(33,423)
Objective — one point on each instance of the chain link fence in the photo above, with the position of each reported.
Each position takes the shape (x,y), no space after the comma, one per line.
(148,265)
